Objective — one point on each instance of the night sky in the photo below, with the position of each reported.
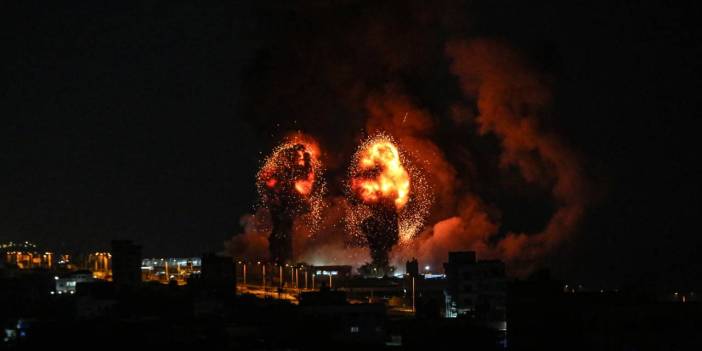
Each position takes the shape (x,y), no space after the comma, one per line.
(147,120)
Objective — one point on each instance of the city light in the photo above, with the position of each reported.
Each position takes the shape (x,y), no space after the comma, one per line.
(163,270)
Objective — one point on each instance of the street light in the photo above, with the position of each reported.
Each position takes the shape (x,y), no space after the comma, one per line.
(244,274)
(280,275)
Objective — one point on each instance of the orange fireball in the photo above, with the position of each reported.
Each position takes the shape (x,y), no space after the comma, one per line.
(293,163)
(379,174)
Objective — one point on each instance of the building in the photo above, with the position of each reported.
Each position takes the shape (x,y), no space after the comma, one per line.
(327,275)
(218,273)
(67,284)
(476,289)
(330,314)
(545,314)
(126,264)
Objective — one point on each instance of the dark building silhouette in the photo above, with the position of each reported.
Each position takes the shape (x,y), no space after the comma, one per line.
(336,270)
(546,314)
(323,297)
(430,298)
(476,289)
(412,268)
(218,273)
(328,313)
(126,264)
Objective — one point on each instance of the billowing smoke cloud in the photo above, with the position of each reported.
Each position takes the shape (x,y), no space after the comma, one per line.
(510,100)
(329,244)
(252,243)
(470,229)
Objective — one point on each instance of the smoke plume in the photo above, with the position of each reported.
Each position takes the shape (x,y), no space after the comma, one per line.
(470,110)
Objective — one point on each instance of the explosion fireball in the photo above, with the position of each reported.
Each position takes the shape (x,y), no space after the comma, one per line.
(290,186)
(381,175)
(390,197)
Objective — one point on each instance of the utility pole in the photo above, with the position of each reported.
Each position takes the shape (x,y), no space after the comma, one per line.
(244,274)
(413,295)
(280,276)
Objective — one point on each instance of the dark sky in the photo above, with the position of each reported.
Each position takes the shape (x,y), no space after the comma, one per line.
(144,120)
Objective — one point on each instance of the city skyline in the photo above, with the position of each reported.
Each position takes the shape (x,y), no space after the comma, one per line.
(154,131)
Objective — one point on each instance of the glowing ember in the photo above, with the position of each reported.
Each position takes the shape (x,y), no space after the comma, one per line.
(304,187)
(271,182)
(292,165)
